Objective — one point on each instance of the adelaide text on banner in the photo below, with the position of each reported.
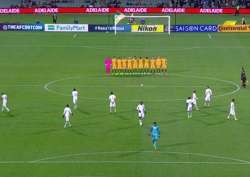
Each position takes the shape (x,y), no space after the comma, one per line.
(106,10)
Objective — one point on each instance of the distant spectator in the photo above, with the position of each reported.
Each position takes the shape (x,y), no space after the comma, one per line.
(131,19)
(134,3)
(237,10)
(54,18)
(243,78)
(143,21)
(243,21)
(76,20)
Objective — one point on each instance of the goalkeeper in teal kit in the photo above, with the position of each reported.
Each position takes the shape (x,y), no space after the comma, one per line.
(155,134)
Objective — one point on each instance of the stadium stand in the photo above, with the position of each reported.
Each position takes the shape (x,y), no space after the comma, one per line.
(9,3)
(126,3)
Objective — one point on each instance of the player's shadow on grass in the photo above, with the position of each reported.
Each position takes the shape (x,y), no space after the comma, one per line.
(133,76)
(174,117)
(89,114)
(178,144)
(83,111)
(44,131)
(123,117)
(244,123)
(208,122)
(221,110)
(7,114)
(172,121)
(89,124)
(77,131)
(120,129)
(206,118)
(127,154)
(180,71)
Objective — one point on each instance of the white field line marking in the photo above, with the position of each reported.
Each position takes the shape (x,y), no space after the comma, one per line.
(20,85)
(86,176)
(75,35)
(215,79)
(139,86)
(125,152)
(121,48)
(209,36)
(127,48)
(46,87)
(124,162)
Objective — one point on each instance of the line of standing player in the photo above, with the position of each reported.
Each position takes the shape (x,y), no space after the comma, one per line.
(140,108)
(141,111)
(67,112)
(191,103)
(4,102)
(154,131)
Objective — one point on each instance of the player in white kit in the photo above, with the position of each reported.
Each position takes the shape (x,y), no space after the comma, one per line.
(208,95)
(75,97)
(66,115)
(194,99)
(4,102)
(141,112)
(189,106)
(112,102)
(232,110)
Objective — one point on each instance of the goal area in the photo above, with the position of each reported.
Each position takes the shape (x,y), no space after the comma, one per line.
(133,18)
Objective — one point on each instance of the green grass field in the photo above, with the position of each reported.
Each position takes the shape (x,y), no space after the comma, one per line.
(39,70)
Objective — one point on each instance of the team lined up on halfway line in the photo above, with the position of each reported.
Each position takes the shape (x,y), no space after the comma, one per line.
(139,64)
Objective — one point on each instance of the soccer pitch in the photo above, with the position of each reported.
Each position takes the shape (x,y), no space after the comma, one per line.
(39,70)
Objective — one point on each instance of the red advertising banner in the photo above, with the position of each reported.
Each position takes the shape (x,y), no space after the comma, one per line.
(123,10)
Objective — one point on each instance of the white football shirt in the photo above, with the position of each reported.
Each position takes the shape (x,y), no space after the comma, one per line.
(232,106)
(4,98)
(189,103)
(194,97)
(74,93)
(208,92)
(67,112)
(141,108)
(112,98)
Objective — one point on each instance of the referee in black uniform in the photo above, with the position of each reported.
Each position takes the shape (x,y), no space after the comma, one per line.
(243,78)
